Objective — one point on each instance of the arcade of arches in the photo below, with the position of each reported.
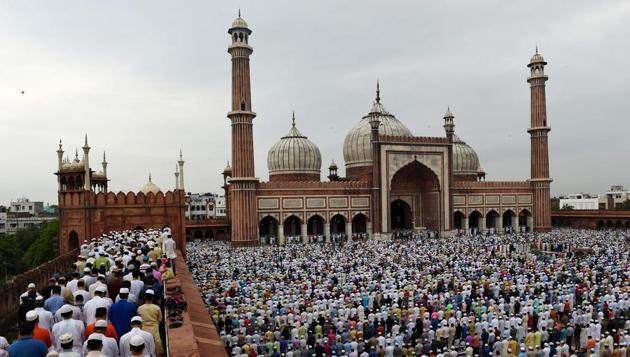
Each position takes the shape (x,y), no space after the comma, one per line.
(293,227)
(415,198)
(492,221)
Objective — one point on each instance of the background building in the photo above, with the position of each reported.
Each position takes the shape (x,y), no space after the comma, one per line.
(615,198)
(25,205)
(24,213)
(579,201)
(200,206)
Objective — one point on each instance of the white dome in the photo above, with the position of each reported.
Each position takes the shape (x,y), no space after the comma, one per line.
(239,22)
(150,187)
(465,159)
(357,147)
(294,154)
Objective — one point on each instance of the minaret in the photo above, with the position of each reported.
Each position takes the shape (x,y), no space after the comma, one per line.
(243,183)
(176,178)
(449,124)
(538,131)
(181,170)
(104,163)
(60,156)
(60,164)
(86,163)
(375,123)
(449,128)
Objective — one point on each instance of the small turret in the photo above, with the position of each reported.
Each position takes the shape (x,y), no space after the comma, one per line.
(86,163)
(449,124)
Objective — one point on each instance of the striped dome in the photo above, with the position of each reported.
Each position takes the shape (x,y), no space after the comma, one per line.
(465,159)
(294,154)
(357,147)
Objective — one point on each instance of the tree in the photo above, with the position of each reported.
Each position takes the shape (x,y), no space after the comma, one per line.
(43,248)
(624,205)
(10,257)
(567,207)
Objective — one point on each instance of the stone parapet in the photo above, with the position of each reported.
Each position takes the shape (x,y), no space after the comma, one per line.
(197,336)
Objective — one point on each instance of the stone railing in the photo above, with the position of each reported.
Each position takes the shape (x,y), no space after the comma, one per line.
(10,291)
(197,336)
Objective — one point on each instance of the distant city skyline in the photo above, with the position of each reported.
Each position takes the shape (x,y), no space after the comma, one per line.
(145,79)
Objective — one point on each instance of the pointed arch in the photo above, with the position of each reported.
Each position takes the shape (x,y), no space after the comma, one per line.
(474,219)
(292,226)
(359,224)
(337,224)
(73,240)
(491,219)
(315,225)
(458,219)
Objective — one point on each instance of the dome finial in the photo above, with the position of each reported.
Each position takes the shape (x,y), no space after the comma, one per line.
(239,12)
(378,91)
(76,154)
(149,177)
(293,119)
(536,49)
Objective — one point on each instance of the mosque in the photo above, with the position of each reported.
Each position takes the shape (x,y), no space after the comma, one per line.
(394,179)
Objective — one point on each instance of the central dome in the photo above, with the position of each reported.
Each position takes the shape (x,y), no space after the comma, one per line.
(294,158)
(357,148)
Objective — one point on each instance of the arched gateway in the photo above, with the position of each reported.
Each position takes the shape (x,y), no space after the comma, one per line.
(415,198)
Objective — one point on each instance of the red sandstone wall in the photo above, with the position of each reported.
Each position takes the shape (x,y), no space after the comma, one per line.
(90,214)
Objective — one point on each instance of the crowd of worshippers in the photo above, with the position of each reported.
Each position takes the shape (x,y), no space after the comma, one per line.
(108,304)
(525,295)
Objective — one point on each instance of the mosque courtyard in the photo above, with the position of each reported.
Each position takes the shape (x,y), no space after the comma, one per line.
(535,294)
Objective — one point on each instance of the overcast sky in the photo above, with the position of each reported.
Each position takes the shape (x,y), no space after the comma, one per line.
(146,78)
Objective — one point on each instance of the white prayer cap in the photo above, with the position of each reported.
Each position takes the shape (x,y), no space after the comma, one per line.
(95,337)
(31,286)
(65,309)
(100,323)
(136,319)
(100,289)
(124,291)
(65,338)
(149,292)
(31,315)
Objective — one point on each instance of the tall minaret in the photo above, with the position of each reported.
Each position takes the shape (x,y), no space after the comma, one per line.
(176,177)
(86,162)
(104,163)
(538,131)
(375,123)
(243,183)
(59,164)
(180,162)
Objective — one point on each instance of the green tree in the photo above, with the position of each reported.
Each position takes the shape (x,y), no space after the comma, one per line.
(624,205)
(567,207)
(43,248)
(10,257)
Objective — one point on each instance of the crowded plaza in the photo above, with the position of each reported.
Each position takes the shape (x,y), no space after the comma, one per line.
(563,293)
(109,304)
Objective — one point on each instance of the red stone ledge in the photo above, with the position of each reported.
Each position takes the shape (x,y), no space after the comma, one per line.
(197,337)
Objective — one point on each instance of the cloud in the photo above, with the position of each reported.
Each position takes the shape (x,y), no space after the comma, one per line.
(146,78)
